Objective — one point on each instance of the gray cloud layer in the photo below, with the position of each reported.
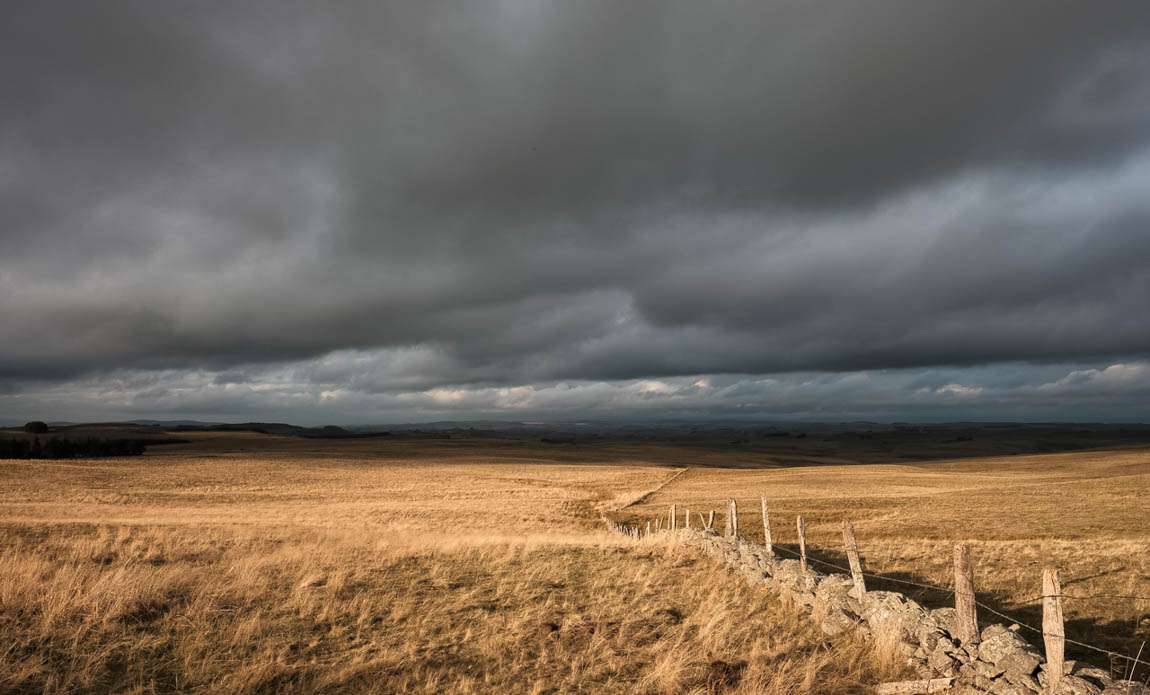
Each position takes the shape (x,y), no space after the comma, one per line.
(495,195)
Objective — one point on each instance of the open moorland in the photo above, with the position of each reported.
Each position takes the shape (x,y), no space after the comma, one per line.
(246,562)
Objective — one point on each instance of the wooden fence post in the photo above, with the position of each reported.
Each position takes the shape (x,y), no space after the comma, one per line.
(711,521)
(687,518)
(965,611)
(768,542)
(733,517)
(802,528)
(1053,630)
(852,548)
(674,518)
(648,527)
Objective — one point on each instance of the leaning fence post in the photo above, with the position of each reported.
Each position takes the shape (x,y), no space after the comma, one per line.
(802,528)
(674,518)
(852,548)
(1053,630)
(768,543)
(733,518)
(965,611)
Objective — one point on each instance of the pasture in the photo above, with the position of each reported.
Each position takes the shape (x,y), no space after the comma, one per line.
(253,563)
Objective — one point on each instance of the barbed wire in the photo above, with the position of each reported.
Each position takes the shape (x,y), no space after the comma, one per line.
(987,608)
(946,590)
(1106,596)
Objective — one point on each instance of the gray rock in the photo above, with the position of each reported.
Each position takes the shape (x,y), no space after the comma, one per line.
(988,670)
(790,574)
(1073,685)
(1070,685)
(944,617)
(835,621)
(1095,675)
(1008,651)
(833,591)
(940,662)
(947,645)
(1023,662)
(892,612)
(1001,687)
(929,635)
(1025,682)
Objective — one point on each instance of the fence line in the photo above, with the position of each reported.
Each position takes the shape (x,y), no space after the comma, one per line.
(950,591)
(1047,634)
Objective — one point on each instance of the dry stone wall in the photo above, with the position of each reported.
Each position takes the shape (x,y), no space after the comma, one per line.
(1002,663)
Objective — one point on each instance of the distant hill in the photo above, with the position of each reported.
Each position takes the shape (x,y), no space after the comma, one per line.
(174,423)
(281,429)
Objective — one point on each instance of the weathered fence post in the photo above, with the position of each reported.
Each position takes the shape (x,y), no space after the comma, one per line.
(965,611)
(733,518)
(852,548)
(1053,630)
(648,527)
(711,521)
(802,528)
(687,518)
(768,542)
(674,518)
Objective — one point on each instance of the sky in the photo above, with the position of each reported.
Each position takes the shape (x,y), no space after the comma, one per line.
(374,211)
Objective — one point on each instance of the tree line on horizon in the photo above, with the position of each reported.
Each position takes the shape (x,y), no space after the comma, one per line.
(64,448)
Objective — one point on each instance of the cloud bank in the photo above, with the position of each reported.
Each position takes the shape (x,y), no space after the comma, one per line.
(391,210)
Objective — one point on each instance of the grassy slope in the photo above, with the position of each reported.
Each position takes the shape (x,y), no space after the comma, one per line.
(215,568)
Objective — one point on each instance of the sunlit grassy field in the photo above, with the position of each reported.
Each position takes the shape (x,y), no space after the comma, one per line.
(252,564)
(1086,513)
(249,563)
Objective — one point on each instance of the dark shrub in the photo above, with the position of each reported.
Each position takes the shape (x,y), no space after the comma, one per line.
(36,427)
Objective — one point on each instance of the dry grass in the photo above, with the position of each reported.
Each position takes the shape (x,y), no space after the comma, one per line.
(248,563)
(163,609)
(385,571)
(1086,513)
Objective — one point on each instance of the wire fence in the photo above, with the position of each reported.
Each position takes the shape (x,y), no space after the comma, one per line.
(1133,661)
(985,607)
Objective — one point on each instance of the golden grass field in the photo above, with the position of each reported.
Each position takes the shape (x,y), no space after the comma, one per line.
(250,563)
(1085,513)
(378,567)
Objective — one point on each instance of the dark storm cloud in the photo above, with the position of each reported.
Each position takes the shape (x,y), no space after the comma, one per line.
(506,193)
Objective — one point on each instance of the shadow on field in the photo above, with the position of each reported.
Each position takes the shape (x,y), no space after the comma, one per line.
(673,446)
